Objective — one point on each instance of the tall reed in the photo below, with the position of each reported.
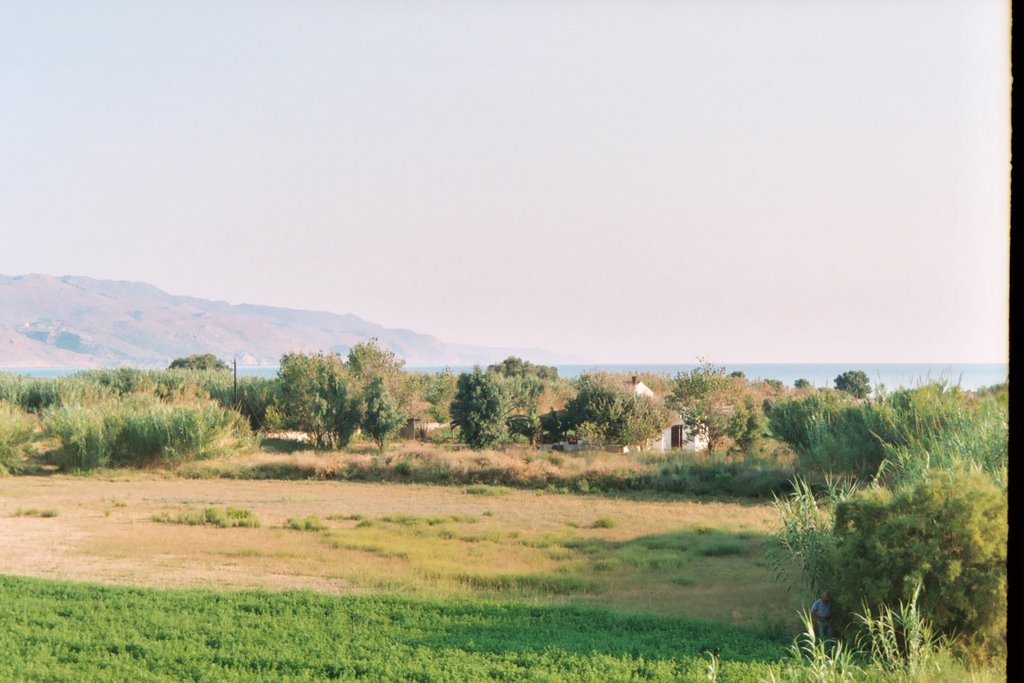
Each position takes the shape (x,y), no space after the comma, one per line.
(17,431)
(141,431)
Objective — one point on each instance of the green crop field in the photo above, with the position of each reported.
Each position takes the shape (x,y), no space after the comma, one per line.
(80,632)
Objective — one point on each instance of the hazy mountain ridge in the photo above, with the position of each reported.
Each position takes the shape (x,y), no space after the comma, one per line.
(73,321)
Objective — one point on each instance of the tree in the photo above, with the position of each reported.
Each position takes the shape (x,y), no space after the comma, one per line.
(522,393)
(315,398)
(594,409)
(801,384)
(206,362)
(517,367)
(479,410)
(603,411)
(439,392)
(551,426)
(369,359)
(706,399)
(855,383)
(381,417)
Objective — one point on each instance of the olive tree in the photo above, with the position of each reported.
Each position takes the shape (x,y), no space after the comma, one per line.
(314,397)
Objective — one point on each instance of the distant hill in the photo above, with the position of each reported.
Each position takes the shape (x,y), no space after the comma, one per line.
(71,321)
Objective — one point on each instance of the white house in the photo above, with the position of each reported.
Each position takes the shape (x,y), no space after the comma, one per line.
(676,435)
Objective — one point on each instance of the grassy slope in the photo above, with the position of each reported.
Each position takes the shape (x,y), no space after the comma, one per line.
(60,631)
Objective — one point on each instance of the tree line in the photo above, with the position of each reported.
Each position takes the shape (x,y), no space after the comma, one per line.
(331,397)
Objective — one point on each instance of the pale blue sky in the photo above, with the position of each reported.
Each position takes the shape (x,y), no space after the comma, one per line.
(795,181)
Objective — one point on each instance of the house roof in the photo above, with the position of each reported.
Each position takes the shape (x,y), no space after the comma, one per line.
(637,387)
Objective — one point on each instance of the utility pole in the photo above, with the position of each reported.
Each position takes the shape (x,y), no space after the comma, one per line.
(234,388)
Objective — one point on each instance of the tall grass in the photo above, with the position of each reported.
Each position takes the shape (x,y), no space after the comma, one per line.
(36,394)
(804,547)
(16,435)
(139,431)
(945,428)
(895,644)
(902,434)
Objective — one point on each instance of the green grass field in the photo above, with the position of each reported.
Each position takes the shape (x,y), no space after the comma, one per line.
(55,631)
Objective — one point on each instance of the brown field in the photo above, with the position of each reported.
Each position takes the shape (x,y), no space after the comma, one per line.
(661,555)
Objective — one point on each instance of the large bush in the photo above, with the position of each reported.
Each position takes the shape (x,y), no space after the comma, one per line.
(947,532)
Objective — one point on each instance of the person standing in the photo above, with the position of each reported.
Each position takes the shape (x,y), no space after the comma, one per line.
(821,612)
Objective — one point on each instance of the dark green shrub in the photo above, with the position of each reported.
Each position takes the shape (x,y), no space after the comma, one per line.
(948,533)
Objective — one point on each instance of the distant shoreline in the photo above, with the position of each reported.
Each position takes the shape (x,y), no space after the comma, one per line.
(892,375)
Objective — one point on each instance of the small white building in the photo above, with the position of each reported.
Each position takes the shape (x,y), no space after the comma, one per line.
(676,436)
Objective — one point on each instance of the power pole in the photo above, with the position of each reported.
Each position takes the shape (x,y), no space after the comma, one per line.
(234,388)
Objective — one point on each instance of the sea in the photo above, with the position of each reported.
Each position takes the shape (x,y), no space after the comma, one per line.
(971,376)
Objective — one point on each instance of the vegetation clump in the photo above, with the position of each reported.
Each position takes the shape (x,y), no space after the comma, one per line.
(204,362)
(309,523)
(36,512)
(139,431)
(219,517)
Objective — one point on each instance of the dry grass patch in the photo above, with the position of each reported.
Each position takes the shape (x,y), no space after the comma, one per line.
(658,555)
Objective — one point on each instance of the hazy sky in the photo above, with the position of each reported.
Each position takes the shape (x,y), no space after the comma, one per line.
(797,181)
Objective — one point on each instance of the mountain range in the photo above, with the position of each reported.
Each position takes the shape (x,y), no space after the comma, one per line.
(72,322)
